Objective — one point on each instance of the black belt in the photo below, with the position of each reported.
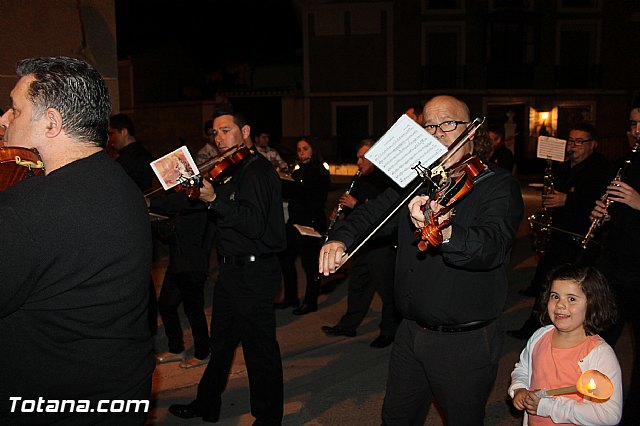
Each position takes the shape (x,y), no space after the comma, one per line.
(456,328)
(243,260)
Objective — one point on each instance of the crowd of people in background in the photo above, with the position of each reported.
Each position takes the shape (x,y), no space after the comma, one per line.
(81,316)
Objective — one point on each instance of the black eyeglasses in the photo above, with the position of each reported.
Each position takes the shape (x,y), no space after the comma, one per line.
(447,126)
(577,142)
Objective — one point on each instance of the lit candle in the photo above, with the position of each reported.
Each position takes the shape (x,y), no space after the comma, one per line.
(591,383)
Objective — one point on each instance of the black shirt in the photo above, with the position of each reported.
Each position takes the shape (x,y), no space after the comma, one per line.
(583,184)
(184,231)
(247,211)
(367,188)
(76,256)
(135,159)
(307,194)
(503,157)
(465,279)
(623,233)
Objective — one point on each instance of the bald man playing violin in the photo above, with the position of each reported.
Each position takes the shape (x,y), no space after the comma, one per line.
(451,296)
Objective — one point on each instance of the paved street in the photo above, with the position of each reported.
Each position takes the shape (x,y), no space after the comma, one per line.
(340,380)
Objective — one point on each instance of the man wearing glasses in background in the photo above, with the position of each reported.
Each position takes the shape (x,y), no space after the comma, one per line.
(450,297)
(578,183)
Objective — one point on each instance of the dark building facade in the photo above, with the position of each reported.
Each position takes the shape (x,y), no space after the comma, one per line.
(533,66)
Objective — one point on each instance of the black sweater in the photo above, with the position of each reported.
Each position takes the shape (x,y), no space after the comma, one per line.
(466,278)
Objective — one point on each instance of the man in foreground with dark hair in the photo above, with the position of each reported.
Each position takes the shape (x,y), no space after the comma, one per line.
(76,255)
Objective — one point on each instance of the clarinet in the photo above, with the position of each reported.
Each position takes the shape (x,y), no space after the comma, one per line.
(597,221)
(340,207)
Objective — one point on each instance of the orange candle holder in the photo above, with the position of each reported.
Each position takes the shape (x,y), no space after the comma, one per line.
(592,383)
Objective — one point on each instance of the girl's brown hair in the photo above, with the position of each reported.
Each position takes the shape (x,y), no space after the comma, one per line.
(601,306)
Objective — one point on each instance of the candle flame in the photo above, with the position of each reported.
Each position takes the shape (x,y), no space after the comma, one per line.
(591,386)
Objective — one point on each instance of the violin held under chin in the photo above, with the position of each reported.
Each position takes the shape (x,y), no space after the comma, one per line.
(457,184)
(217,170)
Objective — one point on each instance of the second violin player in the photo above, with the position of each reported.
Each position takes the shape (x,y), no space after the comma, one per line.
(248,220)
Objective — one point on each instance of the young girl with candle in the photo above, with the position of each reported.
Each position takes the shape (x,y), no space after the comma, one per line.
(579,304)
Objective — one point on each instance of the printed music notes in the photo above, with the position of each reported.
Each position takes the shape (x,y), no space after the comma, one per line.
(551,148)
(402,147)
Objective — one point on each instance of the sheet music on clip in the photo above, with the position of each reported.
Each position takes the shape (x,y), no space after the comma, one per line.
(551,148)
(402,147)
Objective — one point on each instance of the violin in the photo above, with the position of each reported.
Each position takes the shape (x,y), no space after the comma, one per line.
(217,170)
(434,172)
(17,163)
(459,181)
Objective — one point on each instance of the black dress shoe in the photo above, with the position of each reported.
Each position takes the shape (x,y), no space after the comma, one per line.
(304,309)
(185,411)
(337,331)
(381,341)
(189,411)
(286,304)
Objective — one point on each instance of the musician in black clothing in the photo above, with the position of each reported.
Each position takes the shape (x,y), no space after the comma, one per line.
(132,155)
(500,154)
(185,276)
(373,266)
(620,260)
(578,182)
(134,159)
(246,211)
(450,297)
(307,194)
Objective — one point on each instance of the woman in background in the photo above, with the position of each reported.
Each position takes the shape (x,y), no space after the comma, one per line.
(307,194)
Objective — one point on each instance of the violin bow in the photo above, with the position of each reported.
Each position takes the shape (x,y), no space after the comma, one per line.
(425,175)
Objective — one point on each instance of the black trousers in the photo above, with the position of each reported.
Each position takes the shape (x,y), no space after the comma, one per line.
(186,288)
(458,370)
(308,249)
(243,312)
(372,271)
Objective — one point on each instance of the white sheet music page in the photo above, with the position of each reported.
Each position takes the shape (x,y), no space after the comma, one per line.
(402,147)
(551,148)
